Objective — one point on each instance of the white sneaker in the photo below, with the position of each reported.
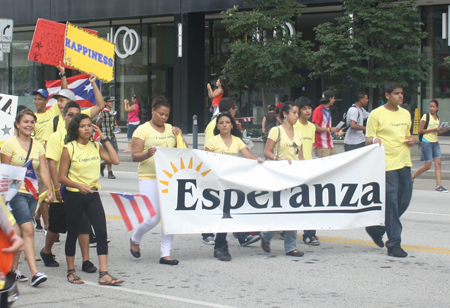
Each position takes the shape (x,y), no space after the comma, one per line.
(38,278)
(441,189)
(209,240)
(20,277)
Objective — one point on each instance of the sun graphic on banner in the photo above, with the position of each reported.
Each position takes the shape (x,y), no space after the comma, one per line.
(182,166)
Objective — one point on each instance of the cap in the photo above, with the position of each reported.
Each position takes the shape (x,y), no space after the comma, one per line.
(42,92)
(65,93)
(108,98)
(326,96)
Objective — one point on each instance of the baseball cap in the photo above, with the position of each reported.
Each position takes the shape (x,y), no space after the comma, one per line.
(65,93)
(108,98)
(42,92)
(326,96)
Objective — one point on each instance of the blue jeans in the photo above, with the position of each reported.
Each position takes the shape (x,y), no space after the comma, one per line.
(398,197)
(290,239)
(23,207)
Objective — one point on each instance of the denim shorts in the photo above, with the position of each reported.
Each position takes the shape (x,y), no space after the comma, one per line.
(23,207)
(130,131)
(430,151)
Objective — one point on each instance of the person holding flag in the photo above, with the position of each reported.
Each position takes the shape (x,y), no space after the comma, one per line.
(18,151)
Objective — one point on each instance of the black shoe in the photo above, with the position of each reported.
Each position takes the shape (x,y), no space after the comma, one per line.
(38,278)
(377,239)
(102,169)
(397,252)
(48,259)
(168,262)
(111,175)
(222,254)
(38,225)
(250,239)
(265,245)
(136,254)
(88,267)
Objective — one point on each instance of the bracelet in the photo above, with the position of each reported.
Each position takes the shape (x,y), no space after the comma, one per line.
(106,139)
(62,74)
(329,129)
(58,189)
(373,140)
(275,158)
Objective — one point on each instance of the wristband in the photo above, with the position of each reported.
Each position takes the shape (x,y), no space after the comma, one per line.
(329,129)
(373,140)
(58,189)
(62,74)
(106,139)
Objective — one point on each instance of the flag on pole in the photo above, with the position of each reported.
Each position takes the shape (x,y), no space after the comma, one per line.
(135,209)
(30,181)
(79,85)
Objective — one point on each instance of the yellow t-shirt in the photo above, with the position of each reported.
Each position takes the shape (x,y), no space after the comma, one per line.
(13,149)
(309,136)
(55,146)
(209,131)
(61,125)
(391,127)
(287,147)
(217,145)
(42,122)
(85,163)
(152,138)
(433,136)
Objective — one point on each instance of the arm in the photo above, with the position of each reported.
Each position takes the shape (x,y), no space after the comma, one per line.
(321,129)
(62,176)
(268,151)
(53,166)
(422,129)
(62,71)
(355,126)
(98,96)
(440,132)
(111,155)
(247,154)
(46,177)
(138,146)
(263,124)
(127,107)
(5,159)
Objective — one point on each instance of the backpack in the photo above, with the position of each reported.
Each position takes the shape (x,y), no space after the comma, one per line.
(345,118)
(427,121)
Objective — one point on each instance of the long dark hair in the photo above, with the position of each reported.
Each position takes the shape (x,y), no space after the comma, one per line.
(139,103)
(21,114)
(72,131)
(225,88)
(234,130)
(286,107)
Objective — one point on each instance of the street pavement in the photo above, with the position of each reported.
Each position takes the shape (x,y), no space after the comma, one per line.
(346,270)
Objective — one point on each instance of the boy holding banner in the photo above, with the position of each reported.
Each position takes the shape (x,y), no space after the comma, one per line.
(389,125)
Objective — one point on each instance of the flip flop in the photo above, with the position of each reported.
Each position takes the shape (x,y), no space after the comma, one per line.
(126,151)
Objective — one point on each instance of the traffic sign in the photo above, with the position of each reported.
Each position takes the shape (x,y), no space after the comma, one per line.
(6,30)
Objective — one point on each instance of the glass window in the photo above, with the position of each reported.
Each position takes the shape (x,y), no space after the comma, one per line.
(4,74)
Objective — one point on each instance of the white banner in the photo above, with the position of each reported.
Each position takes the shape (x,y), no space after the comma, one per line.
(8,110)
(202,192)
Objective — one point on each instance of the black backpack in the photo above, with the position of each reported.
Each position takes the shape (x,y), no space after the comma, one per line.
(427,121)
(344,118)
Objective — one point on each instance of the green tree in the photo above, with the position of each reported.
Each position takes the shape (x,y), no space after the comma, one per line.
(375,42)
(266,50)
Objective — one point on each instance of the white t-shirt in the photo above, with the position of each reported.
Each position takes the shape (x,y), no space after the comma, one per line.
(354,136)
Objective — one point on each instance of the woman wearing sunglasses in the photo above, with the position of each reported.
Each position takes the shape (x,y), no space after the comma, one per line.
(289,139)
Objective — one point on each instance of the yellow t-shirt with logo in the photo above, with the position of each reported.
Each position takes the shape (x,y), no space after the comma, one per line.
(217,145)
(61,125)
(85,164)
(433,136)
(209,131)
(391,127)
(55,146)
(42,122)
(288,147)
(152,138)
(13,149)
(309,136)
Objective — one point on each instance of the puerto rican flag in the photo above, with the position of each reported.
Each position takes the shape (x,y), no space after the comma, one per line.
(135,209)
(79,85)
(30,181)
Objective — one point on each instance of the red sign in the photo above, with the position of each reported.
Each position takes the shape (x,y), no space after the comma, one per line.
(47,45)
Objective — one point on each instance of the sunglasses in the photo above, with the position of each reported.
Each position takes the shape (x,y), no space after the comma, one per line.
(296,148)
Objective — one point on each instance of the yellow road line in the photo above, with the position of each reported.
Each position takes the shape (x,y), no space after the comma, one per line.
(352,241)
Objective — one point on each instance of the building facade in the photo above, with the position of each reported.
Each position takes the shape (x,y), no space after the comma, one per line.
(175,47)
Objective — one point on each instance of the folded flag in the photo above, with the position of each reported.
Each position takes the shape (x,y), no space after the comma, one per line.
(135,209)
(30,181)
(79,85)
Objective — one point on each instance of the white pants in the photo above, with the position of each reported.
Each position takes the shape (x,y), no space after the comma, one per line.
(149,188)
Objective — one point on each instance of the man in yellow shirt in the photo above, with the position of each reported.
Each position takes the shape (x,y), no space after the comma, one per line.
(389,125)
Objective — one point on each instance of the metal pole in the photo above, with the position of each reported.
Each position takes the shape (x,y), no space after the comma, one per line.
(194,133)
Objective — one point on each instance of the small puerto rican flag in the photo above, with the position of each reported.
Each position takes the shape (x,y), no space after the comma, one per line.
(31,183)
(135,209)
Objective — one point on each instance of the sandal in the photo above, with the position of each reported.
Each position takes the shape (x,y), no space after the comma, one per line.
(113,282)
(295,253)
(75,278)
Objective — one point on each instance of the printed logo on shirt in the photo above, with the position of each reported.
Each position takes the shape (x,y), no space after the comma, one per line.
(398,124)
(84,160)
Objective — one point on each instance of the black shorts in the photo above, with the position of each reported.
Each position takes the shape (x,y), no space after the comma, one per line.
(57,221)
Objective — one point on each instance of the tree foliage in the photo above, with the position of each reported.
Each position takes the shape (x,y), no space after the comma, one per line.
(374,43)
(263,52)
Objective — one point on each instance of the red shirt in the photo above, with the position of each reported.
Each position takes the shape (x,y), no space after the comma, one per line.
(322,117)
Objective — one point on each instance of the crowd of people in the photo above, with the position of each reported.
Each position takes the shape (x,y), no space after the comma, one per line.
(59,142)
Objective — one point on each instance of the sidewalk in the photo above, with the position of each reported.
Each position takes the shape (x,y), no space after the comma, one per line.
(417,163)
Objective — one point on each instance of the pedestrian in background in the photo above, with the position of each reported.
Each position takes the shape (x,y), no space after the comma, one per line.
(356,114)
(108,123)
(134,114)
(219,93)
(270,120)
